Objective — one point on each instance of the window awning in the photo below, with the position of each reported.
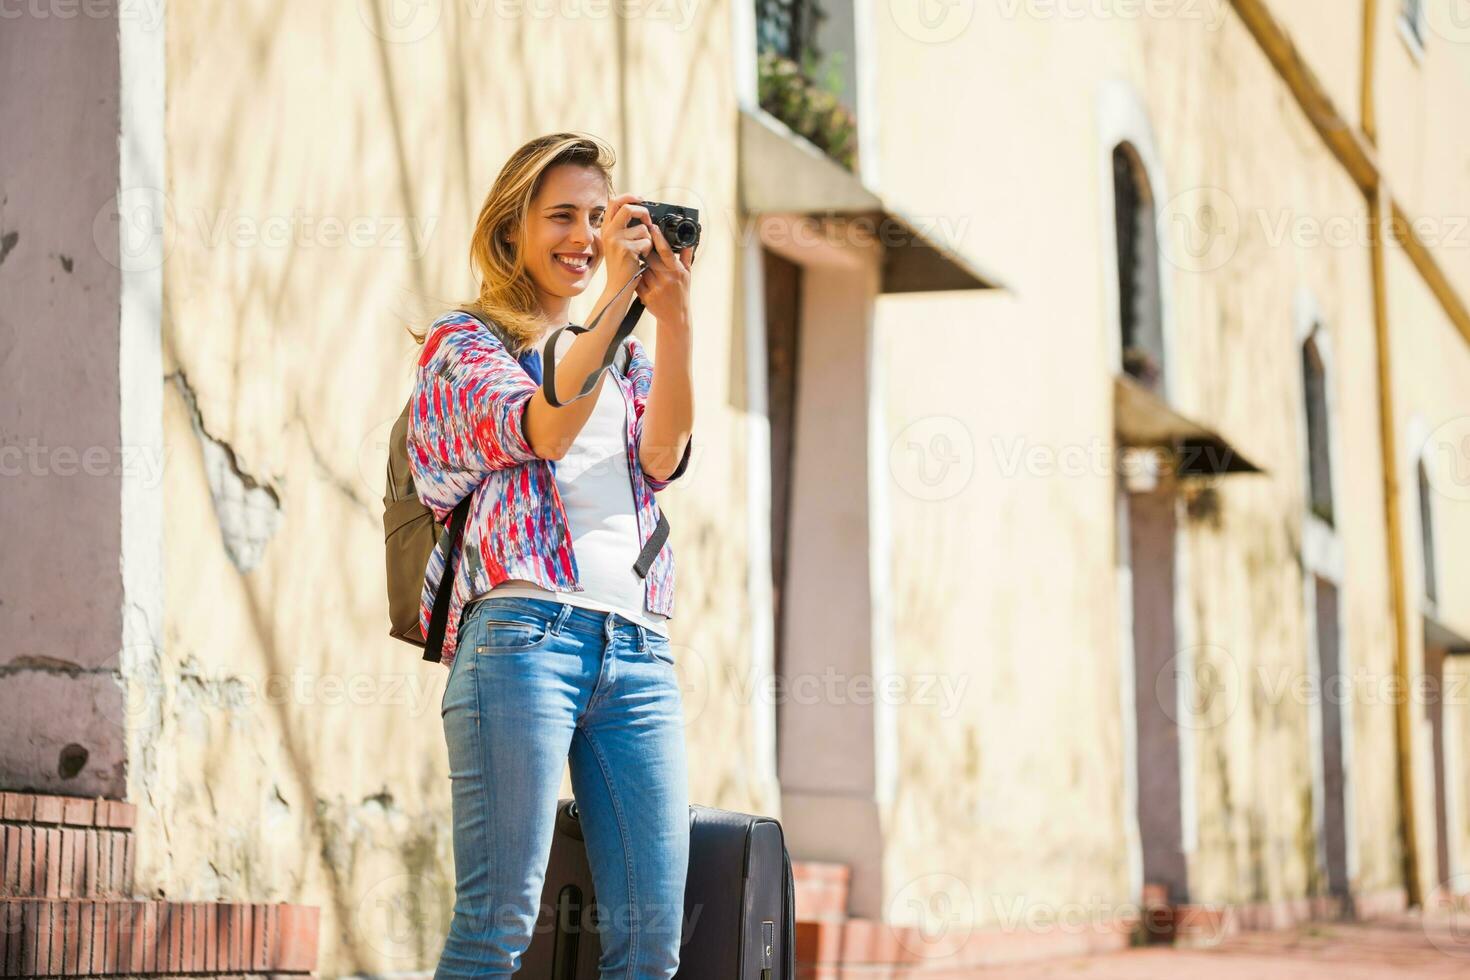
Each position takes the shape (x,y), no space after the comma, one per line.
(1145,420)
(783,173)
(1440,634)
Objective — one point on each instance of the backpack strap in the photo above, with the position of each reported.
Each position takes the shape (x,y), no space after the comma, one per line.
(439,618)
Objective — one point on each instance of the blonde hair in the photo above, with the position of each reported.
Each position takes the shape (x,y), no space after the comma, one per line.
(507,294)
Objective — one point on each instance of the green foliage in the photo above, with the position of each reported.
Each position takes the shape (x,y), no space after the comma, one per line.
(789,92)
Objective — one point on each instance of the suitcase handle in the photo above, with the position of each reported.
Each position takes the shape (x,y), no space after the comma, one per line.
(788,922)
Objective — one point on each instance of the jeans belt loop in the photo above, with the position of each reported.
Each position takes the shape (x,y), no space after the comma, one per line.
(561,618)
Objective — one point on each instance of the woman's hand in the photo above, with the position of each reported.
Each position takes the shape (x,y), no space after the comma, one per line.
(664,286)
(624,244)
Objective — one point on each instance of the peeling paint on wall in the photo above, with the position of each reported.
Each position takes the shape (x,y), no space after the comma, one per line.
(248,508)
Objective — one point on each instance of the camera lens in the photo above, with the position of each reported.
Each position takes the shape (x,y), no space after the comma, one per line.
(686,233)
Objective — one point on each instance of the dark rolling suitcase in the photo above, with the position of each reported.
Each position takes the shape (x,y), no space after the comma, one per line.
(739,899)
(564,942)
(739,903)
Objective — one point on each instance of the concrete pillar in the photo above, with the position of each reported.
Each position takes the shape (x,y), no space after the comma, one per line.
(836,742)
(81,461)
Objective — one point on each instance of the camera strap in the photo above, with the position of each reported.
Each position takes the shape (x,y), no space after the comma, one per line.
(660,534)
(548,353)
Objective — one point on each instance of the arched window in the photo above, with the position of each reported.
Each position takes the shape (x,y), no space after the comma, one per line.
(1426,534)
(1319,455)
(1140,312)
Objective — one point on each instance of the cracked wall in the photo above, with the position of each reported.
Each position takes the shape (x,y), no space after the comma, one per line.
(248,510)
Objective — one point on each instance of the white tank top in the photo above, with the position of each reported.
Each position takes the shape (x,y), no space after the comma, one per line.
(597,491)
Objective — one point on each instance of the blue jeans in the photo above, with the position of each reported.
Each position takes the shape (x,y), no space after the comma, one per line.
(533,684)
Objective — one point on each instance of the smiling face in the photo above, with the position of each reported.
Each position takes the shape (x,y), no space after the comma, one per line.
(562,239)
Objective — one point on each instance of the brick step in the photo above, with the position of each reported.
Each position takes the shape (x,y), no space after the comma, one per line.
(66,881)
(821,889)
(65,847)
(81,937)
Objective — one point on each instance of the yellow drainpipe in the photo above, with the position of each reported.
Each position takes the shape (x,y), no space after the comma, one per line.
(1367,108)
(1378,206)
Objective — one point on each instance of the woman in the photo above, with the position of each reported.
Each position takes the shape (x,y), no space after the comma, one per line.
(557,648)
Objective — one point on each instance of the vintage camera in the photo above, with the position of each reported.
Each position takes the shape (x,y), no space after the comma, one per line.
(680,225)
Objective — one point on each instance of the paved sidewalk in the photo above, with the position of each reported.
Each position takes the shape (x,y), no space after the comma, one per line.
(1402,946)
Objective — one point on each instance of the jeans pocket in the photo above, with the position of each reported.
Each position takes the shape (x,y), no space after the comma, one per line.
(508,626)
(508,636)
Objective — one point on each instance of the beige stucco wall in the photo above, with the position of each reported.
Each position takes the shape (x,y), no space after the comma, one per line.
(1008,578)
(1423,145)
(301,755)
(1431,374)
(1257,838)
(1424,155)
(1010,786)
(1329,35)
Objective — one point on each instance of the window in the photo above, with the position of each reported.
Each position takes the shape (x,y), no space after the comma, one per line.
(1426,534)
(1138,270)
(787,27)
(1314,387)
(1411,17)
(806,71)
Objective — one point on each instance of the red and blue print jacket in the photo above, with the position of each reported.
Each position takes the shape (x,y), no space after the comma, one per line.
(466,436)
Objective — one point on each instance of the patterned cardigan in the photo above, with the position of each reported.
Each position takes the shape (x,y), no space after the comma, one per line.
(466,436)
